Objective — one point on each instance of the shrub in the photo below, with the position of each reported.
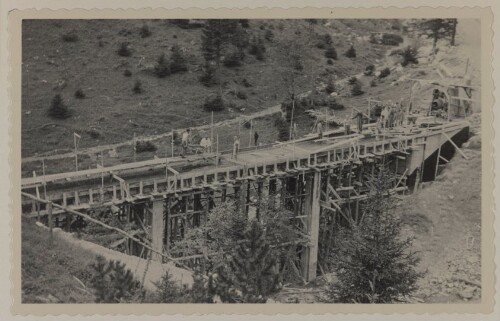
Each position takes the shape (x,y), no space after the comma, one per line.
(331,53)
(127,73)
(124,50)
(177,61)
(241,281)
(283,128)
(351,52)
(373,262)
(162,67)
(373,39)
(232,59)
(241,95)
(79,94)
(58,108)
(391,39)
(167,291)
(396,52)
(144,146)
(297,63)
(369,70)
(112,283)
(137,87)
(207,77)
(94,133)
(145,31)
(409,56)
(101,43)
(269,35)
(70,37)
(373,83)
(246,83)
(334,104)
(356,89)
(214,104)
(330,86)
(329,62)
(384,72)
(352,80)
(257,48)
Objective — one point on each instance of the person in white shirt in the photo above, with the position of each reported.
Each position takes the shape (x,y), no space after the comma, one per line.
(185,141)
(236,147)
(206,144)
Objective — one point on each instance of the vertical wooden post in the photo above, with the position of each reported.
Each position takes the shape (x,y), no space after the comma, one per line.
(312,208)
(437,158)
(157,228)
(51,222)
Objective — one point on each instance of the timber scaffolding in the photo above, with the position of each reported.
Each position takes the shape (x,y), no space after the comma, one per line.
(315,179)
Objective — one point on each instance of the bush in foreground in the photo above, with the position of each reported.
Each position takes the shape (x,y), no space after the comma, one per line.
(112,283)
(373,263)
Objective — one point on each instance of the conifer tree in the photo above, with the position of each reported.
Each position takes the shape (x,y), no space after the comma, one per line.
(112,283)
(436,29)
(351,52)
(162,67)
(177,61)
(373,263)
(58,108)
(249,276)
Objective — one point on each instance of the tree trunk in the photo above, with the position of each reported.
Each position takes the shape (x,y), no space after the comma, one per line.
(453,32)
(434,43)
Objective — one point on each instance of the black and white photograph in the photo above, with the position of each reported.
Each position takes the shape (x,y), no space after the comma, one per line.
(234,161)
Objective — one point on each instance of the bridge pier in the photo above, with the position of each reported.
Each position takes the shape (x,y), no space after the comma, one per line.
(157,227)
(312,210)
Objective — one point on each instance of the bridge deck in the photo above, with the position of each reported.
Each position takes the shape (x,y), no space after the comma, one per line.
(180,174)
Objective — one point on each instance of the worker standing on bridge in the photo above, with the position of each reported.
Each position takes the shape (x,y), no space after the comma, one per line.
(206,143)
(320,130)
(236,147)
(185,141)
(295,131)
(384,116)
(256,138)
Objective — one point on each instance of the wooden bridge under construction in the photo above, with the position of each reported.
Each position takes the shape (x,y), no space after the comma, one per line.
(316,179)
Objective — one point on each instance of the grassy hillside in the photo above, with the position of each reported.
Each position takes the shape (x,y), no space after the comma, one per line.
(57,62)
(49,269)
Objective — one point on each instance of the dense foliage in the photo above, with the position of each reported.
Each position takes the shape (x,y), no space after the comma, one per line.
(373,263)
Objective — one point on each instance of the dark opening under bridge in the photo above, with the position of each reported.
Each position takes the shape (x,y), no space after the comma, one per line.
(316,179)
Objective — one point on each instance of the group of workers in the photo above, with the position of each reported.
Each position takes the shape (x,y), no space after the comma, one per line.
(206,143)
(392,115)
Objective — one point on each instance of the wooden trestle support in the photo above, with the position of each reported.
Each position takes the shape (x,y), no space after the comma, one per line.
(323,188)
